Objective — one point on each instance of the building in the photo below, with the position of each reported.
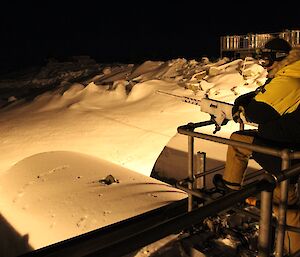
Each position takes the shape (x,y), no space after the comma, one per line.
(240,46)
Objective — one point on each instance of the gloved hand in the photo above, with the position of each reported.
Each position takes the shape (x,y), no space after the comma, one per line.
(245,99)
(240,104)
(236,113)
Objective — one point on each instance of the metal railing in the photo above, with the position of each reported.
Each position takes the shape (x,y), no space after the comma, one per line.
(286,156)
(252,42)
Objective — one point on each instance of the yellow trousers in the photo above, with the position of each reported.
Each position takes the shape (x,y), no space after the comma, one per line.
(236,164)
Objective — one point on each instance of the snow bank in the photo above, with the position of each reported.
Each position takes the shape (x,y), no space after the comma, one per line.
(100,119)
(56,144)
(61,195)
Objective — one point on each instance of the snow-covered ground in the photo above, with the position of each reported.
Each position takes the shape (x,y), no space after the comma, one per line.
(101,116)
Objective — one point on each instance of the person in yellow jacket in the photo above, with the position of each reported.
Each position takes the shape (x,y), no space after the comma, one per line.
(275,107)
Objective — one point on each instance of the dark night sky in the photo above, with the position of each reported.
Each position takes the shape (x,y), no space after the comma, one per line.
(119,31)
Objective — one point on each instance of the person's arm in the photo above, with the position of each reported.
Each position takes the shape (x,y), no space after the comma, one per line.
(260,113)
(286,129)
(254,111)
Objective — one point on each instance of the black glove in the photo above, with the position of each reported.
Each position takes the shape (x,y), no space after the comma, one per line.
(245,99)
(240,104)
(236,113)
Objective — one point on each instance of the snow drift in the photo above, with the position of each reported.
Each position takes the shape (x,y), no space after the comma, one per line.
(58,141)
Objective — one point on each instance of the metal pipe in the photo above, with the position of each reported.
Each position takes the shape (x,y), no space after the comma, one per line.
(193,192)
(191,126)
(190,170)
(200,176)
(282,206)
(265,223)
(242,126)
(213,170)
(290,172)
(254,175)
(255,148)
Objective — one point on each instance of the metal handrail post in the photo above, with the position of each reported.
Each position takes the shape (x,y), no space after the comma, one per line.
(190,170)
(282,206)
(265,224)
(200,177)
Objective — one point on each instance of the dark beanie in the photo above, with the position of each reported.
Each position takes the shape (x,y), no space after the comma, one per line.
(278,45)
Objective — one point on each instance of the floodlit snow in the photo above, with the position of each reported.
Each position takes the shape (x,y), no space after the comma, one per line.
(53,145)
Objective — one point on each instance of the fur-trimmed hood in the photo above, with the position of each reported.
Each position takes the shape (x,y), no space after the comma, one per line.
(294,68)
